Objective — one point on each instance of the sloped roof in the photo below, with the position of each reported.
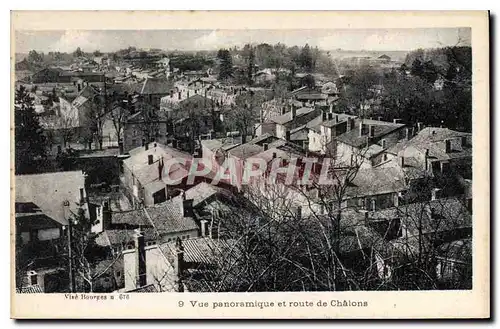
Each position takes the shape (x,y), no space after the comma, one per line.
(121,237)
(48,191)
(156,86)
(375,181)
(204,191)
(380,129)
(34,289)
(147,174)
(285,118)
(168,217)
(433,138)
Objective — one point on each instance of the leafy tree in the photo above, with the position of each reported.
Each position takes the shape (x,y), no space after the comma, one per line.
(78,52)
(34,57)
(226,64)
(30,141)
(306,59)
(251,64)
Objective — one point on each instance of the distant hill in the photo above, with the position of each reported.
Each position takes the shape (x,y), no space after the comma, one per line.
(398,56)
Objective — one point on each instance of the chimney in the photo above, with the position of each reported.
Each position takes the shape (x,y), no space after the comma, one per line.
(402,161)
(140,260)
(325,116)
(408,134)
(203,226)
(150,159)
(287,136)
(336,118)
(379,118)
(160,169)
(426,155)
(374,205)
(361,126)
(294,112)
(179,265)
(179,94)
(448,145)
(266,146)
(187,207)
(82,196)
(187,94)
(146,146)
(419,126)
(174,143)
(106,216)
(274,155)
(350,124)
(371,131)
(330,116)
(143,142)
(463,140)
(435,194)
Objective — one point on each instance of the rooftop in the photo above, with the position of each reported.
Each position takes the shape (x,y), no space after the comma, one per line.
(380,129)
(433,139)
(156,86)
(49,191)
(168,217)
(285,118)
(146,173)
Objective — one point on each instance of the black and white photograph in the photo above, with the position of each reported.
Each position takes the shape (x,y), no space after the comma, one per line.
(243,160)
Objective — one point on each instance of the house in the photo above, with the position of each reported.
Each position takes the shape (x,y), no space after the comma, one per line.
(384,58)
(325,128)
(145,125)
(144,176)
(43,205)
(435,151)
(153,89)
(365,141)
(294,119)
(375,188)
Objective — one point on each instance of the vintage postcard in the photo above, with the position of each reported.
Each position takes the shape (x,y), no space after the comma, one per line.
(250,165)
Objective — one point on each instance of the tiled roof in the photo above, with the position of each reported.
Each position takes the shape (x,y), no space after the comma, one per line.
(34,289)
(245,151)
(156,86)
(204,191)
(48,191)
(380,129)
(168,217)
(35,221)
(146,173)
(432,138)
(287,117)
(150,288)
(202,250)
(375,181)
(342,117)
(121,237)
(131,217)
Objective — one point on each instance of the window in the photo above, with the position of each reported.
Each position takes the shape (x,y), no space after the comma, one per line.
(118,274)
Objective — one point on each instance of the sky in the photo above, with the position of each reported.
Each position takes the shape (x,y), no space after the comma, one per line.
(346,39)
